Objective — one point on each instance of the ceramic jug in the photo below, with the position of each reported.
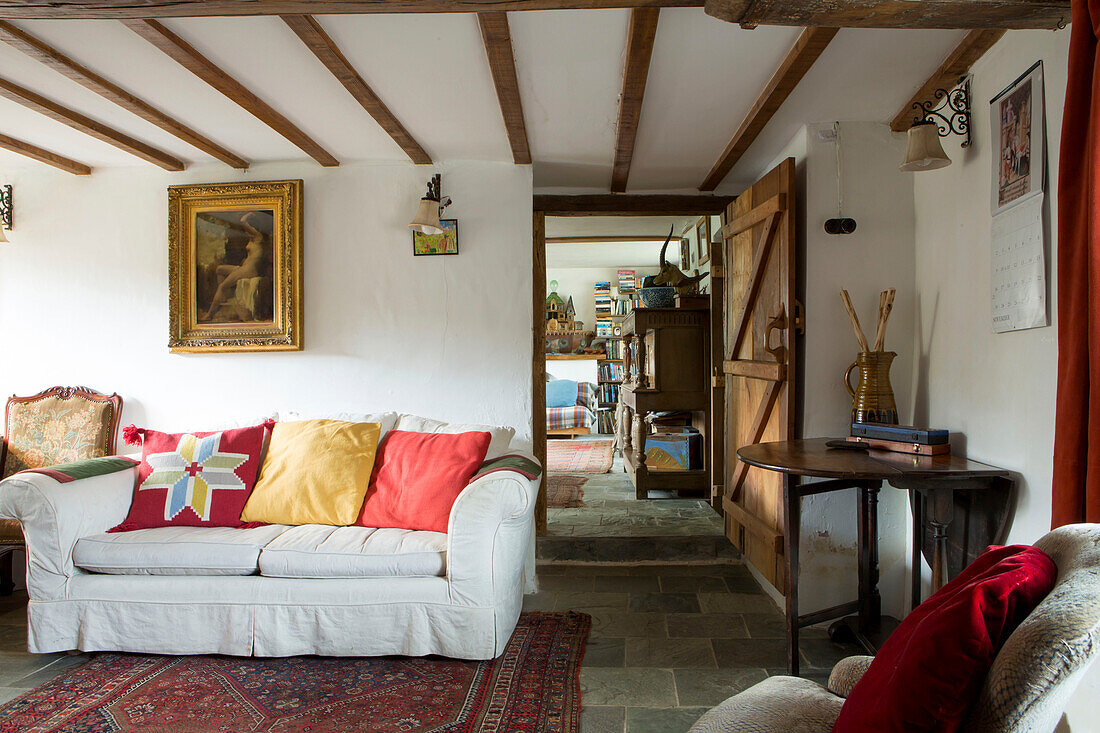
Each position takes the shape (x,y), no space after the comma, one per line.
(873,397)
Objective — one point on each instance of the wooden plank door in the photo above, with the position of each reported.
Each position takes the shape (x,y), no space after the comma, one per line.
(759,367)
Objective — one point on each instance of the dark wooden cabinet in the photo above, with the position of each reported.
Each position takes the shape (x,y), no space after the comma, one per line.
(667,369)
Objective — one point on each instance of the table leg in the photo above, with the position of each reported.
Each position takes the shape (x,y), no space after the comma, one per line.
(870,603)
(941,510)
(917,504)
(792,521)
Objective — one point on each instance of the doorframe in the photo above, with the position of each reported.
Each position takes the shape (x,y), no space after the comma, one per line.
(544,205)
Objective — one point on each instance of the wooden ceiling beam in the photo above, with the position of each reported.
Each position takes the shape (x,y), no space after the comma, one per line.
(88,79)
(806,50)
(972,47)
(615,204)
(136,9)
(502,63)
(88,126)
(187,56)
(329,54)
(43,156)
(1011,14)
(639,51)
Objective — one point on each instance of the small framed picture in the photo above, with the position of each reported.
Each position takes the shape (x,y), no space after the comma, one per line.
(617,331)
(438,244)
(685,253)
(702,239)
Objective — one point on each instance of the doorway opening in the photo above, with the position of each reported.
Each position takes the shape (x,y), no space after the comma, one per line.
(591,269)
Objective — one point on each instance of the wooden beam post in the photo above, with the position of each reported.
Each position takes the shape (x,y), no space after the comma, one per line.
(43,156)
(806,50)
(328,53)
(639,51)
(88,126)
(538,359)
(972,47)
(189,58)
(85,77)
(502,63)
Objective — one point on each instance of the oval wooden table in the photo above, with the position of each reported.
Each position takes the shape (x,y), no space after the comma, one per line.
(932,481)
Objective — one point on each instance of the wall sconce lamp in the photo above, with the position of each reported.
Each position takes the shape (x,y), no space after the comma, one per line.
(431,208)
(947,114)
(6,210)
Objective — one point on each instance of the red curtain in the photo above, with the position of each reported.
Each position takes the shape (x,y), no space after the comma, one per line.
(1077,423)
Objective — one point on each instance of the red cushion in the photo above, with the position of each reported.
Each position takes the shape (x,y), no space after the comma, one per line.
(931,669)
(418,476)
(193,479)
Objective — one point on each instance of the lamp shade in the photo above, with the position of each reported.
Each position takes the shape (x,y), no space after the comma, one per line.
(924,151)
(3,237)
(426,220)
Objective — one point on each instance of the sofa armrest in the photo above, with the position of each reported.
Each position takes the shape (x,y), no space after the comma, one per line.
(489,535)
(846,673)
(55,515)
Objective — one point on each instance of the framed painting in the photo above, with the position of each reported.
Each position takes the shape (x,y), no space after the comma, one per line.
(685,254)
(235,267)
(438,244)
(702,239)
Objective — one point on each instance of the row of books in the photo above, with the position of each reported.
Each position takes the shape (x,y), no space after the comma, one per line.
(615,349)
(605,422)
(604,327)
(611,372)
(607,392)
(602,291)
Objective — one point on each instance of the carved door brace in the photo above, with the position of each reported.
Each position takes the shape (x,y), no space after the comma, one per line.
(779,323)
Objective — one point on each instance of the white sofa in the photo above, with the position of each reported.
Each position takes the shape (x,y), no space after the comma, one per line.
(275,590)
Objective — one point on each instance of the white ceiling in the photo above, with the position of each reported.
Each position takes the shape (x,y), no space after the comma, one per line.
(432,73)
(607,254)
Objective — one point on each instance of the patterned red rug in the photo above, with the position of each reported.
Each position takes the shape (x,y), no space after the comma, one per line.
(564,491)
(578,456)
(533,686)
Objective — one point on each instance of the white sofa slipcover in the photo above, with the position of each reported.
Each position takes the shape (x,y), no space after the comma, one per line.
(468,612)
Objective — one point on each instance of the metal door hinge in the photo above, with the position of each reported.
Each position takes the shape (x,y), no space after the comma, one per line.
(718,271)
(718,381)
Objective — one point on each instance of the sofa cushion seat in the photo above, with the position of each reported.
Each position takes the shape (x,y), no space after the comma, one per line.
(322,551)
(175,551)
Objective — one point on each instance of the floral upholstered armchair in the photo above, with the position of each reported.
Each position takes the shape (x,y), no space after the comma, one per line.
(59,425)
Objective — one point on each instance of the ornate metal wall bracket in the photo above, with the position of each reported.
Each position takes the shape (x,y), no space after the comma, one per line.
(949,110)
(6,210)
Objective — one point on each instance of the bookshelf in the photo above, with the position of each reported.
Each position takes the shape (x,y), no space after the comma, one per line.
(611,310)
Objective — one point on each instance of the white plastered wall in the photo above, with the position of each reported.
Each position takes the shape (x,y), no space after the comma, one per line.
(996,389)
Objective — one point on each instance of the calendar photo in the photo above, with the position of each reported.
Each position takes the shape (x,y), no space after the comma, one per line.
(1016,118)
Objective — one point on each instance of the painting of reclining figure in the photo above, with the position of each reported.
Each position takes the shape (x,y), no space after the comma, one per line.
(235,252)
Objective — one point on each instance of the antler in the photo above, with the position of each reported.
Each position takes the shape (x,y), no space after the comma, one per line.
(665,245)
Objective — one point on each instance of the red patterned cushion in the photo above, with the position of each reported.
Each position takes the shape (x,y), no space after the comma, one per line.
(194,479)
(929,672)
(418,476)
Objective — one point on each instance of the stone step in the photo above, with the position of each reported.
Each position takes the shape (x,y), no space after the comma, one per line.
(706,549)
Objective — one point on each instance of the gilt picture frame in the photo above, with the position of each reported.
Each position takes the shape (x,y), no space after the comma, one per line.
(702,239)
(235,267)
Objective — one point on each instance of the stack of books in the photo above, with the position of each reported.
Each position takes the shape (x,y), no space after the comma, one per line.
(902,438)
(603,298)
(628,283)
(605,422)
(615,350)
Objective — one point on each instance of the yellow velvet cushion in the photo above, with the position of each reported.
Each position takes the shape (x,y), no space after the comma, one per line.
(315,472)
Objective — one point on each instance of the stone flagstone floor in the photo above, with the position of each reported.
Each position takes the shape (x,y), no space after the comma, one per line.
(669,642)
